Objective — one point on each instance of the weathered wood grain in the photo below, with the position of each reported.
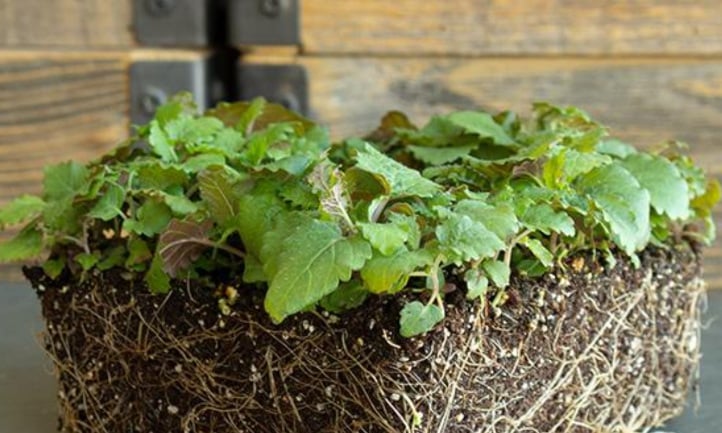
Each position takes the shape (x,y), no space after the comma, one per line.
(68,23)
(476,27)
(462,27)
(62,105)
(56,107)
(646,101)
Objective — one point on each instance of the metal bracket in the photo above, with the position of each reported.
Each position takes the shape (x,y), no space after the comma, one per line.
(153,82)
(199,23)
(264,22)
(220,75)
(209,80)
(283,84)
(179,23)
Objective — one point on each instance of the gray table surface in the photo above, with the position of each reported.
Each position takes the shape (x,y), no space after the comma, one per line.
(27,391)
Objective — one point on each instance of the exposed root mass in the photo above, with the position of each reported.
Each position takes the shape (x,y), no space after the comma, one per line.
(575,351)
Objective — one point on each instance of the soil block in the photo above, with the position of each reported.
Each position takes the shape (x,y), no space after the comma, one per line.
(585,348)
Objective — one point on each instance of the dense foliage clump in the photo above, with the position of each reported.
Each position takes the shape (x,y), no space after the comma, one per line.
(252,189)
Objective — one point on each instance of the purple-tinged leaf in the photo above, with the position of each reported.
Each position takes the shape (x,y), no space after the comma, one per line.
(182,243)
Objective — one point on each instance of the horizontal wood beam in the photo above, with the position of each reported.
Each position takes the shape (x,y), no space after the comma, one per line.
(413,27)
(66,23)
(529,27)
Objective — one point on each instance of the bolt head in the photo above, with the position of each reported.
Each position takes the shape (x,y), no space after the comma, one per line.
(288,100)
(270,8)
(160,8)
(150,100)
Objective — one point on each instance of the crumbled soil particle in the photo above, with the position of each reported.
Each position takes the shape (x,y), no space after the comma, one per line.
(582,349)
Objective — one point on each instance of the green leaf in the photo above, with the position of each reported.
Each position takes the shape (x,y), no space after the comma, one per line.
(27,244)
(577,163)
(542,217)
(695,177)
(138,252)
(54,267)
(384,274)
(217,192)
(198,163)
(249,116)
(88,260)
(403,180)
(391,122)
(499,218)
(703,205)
(401,215)
(417,318)
(65,181)
(257,212)
(181,103)
(253,270)
(226,143)
(260,143)
(363,185)
(440,155)
(539,250)
(567,164)
(150,219)
(315,257)
(231,115)
(180,204)
(668,191)
(349,295)
(160,144)
(463,239)
(63,216)
(623,203)
(193,131)
(616,148)
(284,225)
(115,257)
(531,267)
(705,202)
(482,124)
(476,284)
(157,280)
(299,194)
(498,272)
(387,238)
(553,169)
(438,132)
(21,209)
(155,175)
(110,204)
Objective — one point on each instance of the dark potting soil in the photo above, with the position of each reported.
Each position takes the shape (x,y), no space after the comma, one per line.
(582,349)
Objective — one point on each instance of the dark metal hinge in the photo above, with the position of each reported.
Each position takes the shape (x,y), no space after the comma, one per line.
(264,22)
(283,84)
(209,78)
(221,27)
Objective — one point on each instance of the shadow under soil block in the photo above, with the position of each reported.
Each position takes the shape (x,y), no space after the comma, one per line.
(582,349)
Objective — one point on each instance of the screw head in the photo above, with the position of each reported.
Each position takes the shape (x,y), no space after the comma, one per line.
(270,8)
(160,8)
(151,99)
(288,100)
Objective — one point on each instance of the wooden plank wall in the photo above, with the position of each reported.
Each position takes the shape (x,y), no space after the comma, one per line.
(650,69)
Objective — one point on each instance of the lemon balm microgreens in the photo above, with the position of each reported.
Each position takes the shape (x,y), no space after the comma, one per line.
(253,190)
